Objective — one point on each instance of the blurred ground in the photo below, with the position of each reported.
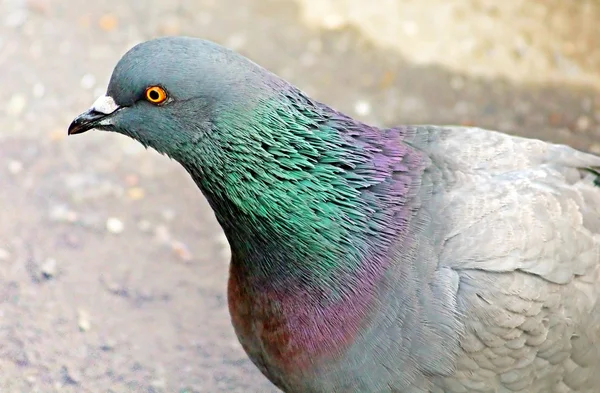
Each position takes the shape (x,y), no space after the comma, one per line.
(521,40)
(112,266)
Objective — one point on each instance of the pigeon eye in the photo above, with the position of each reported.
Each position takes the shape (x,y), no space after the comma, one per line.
(156,94)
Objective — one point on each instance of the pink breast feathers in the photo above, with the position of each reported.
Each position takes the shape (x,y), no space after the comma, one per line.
(291,328)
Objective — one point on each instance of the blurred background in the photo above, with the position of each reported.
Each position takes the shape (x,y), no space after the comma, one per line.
(112,266)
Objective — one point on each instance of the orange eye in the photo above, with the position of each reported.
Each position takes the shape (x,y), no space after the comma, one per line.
(156,94)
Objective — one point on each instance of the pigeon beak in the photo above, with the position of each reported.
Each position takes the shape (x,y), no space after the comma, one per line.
(95,116)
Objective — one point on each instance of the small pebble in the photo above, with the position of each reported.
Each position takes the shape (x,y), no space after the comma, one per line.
(114,225)
(38,90)
(162,234)
(70,376)
(108,22)
(49,268)
(181,250)
(168,214)
(362,108)
(16,19)
(135,193)
(62,213)
(88,81)
(158,384)
(16,105)
(4,254)
(83,320)
(583,123)
(15,167)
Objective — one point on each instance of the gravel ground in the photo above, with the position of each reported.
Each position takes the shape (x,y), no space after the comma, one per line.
(112,266)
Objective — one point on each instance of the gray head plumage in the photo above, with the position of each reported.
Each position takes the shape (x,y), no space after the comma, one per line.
(189,67)
(201,80)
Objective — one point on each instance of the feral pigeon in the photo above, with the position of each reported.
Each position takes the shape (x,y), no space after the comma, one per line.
(408,259)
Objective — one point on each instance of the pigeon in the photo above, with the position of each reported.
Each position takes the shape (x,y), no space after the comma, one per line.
(409,259)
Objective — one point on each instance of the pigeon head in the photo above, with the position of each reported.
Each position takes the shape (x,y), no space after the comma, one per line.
(169,92)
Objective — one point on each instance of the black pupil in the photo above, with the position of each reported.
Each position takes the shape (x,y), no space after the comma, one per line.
(153,94)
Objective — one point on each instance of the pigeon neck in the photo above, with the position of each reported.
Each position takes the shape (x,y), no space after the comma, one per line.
(316,213)
(310,196)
